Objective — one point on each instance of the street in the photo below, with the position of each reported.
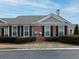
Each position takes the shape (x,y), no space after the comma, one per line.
(40,54)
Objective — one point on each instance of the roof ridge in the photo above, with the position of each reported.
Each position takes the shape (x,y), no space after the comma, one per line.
(29,15)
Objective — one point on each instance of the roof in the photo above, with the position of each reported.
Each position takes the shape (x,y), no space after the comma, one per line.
(23,19)
(20,20)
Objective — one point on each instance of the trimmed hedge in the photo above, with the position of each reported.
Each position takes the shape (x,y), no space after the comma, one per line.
(50,39)
(25,40)
(64,39)
(69,39)
(16,39)
(7,39)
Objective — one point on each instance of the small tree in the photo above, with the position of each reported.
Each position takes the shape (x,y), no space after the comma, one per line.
(76,32)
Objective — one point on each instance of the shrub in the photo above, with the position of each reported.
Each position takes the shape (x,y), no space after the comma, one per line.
(64,39)
(7,39)
(24,39)
(76,31)
(70,39)
(16,39)
(50,39)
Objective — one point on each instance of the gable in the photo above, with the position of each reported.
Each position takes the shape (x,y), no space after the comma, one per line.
(3,22)
(51,19)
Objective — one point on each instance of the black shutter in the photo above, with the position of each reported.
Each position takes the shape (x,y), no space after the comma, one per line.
(21,30)
(10,31)
(51,31)
(18,30)
(65,28)
(43,31)
(56,30)
(30,30)
(2,32)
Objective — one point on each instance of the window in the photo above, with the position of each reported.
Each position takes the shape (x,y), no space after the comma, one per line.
(14,31)
(47,31)
(6,34)
(33,33)
(60,30)
(26,31)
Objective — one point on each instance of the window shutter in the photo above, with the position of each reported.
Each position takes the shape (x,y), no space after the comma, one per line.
(10,31)
(18,30)
(43,31)
(56,30)
(65,28)
(21,30)
(30,30)
(51,31)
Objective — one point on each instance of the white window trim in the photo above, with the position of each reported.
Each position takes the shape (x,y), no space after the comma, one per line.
(45,32)
(24,31)
(16,31)
(32,31)
(8,31)
(62,30)
(20,31)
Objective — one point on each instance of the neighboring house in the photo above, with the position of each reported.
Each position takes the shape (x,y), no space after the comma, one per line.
(32,26)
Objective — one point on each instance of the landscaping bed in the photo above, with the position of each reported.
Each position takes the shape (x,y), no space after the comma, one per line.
(25,39)
(64,39)
(17,39)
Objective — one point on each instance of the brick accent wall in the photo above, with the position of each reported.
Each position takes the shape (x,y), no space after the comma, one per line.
(38,29)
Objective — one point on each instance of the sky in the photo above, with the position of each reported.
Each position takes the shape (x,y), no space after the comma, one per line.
(69,9)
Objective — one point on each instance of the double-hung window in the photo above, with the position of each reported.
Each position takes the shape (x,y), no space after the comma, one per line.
(15,31)
(26,32)
(47,31)
(6,31)
(60,30)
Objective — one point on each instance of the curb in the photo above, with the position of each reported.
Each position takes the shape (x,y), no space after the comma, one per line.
(38,49)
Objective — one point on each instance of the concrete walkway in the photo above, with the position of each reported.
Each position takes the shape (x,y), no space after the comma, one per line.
(37,45)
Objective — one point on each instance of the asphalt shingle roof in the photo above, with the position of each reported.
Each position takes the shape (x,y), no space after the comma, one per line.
(21,20)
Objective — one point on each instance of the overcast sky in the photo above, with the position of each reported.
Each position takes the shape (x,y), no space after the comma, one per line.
(69,9)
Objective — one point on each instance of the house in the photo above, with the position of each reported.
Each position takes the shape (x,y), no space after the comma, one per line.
(36,25)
